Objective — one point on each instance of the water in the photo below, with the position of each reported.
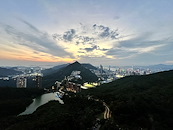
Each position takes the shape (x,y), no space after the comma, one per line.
(43,99)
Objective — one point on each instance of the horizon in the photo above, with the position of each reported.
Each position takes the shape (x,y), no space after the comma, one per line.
(46,66)
(113,32)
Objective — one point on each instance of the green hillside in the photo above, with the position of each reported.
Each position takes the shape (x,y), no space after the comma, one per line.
(53,69)
(139,101)
(87,75)
(89,66)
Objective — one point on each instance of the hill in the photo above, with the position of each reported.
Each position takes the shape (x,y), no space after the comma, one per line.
(13,101)
(139,101)
(87,75)
(69,116)
(160,67)
(56,68)
(53,69)
(6,72)
(89,66)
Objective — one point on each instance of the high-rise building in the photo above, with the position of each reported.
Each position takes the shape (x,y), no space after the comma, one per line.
(38,81)
(21,82)
(101,69)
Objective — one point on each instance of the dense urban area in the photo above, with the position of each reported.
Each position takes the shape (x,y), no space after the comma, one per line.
(22,77)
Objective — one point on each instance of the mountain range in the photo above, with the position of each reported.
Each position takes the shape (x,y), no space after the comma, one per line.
(6,72)
(155,68)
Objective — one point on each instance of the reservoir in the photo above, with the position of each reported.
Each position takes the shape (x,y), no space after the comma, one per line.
(37,102)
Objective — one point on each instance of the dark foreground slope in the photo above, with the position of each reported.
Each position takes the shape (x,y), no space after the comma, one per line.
(87,75)
(76,114)
(13,101)
(140,101)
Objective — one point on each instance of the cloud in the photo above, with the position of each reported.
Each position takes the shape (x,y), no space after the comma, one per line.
(169,62)
(105,32)
(142,40)
(116,17)
(136,46)
(30,25)
(103,41)
(90,39)
(88,34)
(69,35)
(91,49)
(35,39)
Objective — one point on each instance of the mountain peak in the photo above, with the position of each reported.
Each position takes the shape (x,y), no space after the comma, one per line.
(76,62)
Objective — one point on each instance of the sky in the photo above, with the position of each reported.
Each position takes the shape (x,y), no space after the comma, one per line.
(107,32)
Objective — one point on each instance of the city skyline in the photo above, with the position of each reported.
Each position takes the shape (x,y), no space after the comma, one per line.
(107,32)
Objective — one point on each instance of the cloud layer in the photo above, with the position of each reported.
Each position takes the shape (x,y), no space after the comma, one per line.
(103,41)
(88,40)
(37,41)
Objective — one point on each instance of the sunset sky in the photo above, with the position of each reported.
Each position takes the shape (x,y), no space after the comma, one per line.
(107,32)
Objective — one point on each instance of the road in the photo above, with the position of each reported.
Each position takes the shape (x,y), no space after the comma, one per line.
(107,113)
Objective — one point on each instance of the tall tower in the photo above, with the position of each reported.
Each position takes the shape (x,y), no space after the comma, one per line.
(101,69)
(38,81)
(21,82)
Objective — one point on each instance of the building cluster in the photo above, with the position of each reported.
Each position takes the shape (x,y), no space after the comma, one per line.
(30,77)
(73,87)
(29,70)
(38,81)
(69,83)
(21,81)
(108,74)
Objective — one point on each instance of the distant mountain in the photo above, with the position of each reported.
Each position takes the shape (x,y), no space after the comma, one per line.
(53,69)
(160,67)
(56,68)
(156,68)
(153,68)
(87,75)
(6,72)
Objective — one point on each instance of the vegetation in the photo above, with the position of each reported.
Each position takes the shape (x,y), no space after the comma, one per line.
(56,68)
(87,75)
(53,69)
(139,101)
(77,113)
(8,83)
(89,66)
(13,101)
(135,102)
(5,72)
